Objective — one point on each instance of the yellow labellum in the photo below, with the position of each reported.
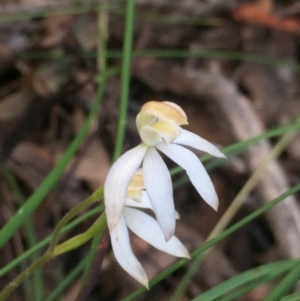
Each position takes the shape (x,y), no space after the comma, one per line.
(167,111)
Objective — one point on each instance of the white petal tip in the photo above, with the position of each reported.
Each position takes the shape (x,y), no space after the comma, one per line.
(144,281)
(213,202)
(217,153)
(141,277)
(185,254)
(222,156)
(215,206)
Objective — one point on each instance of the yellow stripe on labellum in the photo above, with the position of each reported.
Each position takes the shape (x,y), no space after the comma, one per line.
(167,111)
(137,181)
(135,195)
(167,131)
(134,190)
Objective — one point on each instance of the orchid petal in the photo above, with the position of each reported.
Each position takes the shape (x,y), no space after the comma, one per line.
(144,203)
(167,111)
(121,246)
(190,139)
(147,228)
(144,119)
(149,135)
(195,170)
(117,181)
(159,188)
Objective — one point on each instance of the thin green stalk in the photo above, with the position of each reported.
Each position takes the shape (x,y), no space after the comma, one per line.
(232,210)
(179,53)
(238,201)
(82,238)
(24,275)
(285,285)
(92,253)
(125,80)
(102,22)
(220,54)
(28,225)
(292,297)
(72,9)
(47,240)
(237,285)
(125,77)
(96,196)
(102,39)
(36,288)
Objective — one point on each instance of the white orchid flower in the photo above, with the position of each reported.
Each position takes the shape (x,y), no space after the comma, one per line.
(144,226)
(159,125)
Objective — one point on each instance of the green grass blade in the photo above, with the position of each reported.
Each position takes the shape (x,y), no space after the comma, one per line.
(285,285)
(78,240)
(292,297)
(102,22)
(74,8)
(258,275)
(92,253)
(36,289)
(214,241)
(243,290)
(125,77)
(123,105)
(209,54)
(180,53)
(46,241)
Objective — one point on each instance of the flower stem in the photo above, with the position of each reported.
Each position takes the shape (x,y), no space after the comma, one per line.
(96,196)
(25,274)
(82,238)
